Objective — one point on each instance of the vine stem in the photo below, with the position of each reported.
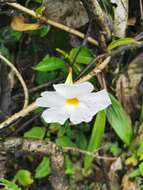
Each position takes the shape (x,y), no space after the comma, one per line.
(17,73)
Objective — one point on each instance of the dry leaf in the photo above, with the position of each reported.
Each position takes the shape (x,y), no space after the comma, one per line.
(127,184)
(123,93)
(132,21)
(71,13)
(114,178)
(132,160)
(19,24)
(116,165)
(129,84)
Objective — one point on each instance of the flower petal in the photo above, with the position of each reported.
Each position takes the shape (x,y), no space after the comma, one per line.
(55,115)
(96,101)
(80,114)
(50,99)
(73,90)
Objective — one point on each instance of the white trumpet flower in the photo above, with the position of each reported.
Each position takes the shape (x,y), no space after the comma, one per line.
(76,102)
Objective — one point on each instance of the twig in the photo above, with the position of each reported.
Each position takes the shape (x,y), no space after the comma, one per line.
(83,43)
(51,22)
(44,147)
(39,87)
(113,54)
(93,154)
(16,116)
(24,125)
(93,62)
(95,71)
(6,61)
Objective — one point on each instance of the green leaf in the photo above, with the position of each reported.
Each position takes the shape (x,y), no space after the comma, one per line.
(64,141)
(140,149)
(141,168)
(96,137)
(24,177)
(69,168)
(4,51)
(40,10)
(114,149)
(122,41)
(42,32)
(134,173)
(8,185)
(54,127)
(120,121)
(50,64)
(62,131)
(44,77)
(44,168)
(8,35)
(39,1)
(35,133)
(81,140)
(84,55)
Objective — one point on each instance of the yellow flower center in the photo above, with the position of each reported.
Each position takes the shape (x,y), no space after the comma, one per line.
(72,101)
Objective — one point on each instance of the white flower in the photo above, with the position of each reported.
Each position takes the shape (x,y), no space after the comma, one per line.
(74,101)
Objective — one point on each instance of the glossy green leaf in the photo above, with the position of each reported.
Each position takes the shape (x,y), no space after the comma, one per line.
(8,185)
(96,137)
(83,55)
(35,133)
(24,177)
(44,168)
(120,121)
(69,168)
(122,41)
(64,141)
(50,64)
